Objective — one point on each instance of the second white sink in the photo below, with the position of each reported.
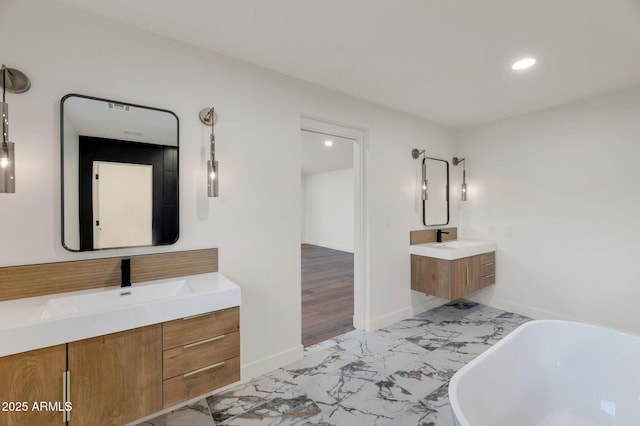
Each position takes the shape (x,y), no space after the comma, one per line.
(115,297)
(451,250)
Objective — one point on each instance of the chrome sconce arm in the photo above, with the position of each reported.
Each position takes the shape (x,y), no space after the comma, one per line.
(463,188)
(415,154)
(209,117)
(13,81)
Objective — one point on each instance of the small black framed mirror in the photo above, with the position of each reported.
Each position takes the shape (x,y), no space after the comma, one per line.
(435,203)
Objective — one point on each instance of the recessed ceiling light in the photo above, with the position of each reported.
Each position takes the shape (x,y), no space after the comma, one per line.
(328,143)
(523,64)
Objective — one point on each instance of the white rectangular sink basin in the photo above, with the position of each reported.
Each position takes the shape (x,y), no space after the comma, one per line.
(451,250)
(48,320)
(115,297)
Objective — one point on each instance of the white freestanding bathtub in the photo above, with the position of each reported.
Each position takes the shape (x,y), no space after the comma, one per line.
(551,373)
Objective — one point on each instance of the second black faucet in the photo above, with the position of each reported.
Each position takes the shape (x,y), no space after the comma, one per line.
(125,267)
(439,233)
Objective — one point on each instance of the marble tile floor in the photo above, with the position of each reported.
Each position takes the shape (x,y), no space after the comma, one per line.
(394,376)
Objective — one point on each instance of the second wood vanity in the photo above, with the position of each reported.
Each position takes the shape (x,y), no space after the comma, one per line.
(451,279)
(453,268)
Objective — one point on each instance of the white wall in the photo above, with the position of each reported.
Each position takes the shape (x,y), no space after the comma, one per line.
(256,221)
(328,210)
(566,182)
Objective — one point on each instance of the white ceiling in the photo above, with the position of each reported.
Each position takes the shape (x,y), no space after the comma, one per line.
(102,119)
(444,60)
(316,157)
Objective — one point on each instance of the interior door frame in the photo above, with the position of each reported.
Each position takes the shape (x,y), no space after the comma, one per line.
(361,282)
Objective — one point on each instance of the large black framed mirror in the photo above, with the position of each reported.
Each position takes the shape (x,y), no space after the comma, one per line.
(435,205)
(119,166)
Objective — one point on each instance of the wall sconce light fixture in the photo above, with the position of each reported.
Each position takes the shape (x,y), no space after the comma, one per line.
(415,154)
(13,81)
(209,117)
(463,189)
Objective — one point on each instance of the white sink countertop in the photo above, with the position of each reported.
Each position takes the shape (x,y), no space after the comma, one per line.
(452,250)
(38,322)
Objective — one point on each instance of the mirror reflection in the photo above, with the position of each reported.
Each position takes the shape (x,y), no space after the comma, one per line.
(435,208)
(119,174)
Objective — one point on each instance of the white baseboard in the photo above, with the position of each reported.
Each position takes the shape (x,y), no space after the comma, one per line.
(386,320)
(421,302)
(257,368)
(357,323)
(528,311)
(329,246)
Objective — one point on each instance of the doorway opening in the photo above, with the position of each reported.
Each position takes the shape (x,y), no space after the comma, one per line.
(331,235)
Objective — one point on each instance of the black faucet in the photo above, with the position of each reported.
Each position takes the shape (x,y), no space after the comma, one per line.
(125,267)
(439,233)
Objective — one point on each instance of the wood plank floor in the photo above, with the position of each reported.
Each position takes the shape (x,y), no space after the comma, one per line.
(327,293)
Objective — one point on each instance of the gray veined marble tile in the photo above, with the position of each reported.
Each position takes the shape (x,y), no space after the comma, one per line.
(333,387)
(411,383)
(482,314)
(434,410)
(375,388)
(368,343)
(450,358)
(193,415)
(281,412)
(246,397)
(378,402)
(487,325)
(329,343)
(328,360)
(434,338)
(505,324)
(408,327)
(400,357)
(451,311)
(395,376)
(368,403)
(474,332)
(510,320)
(353,334)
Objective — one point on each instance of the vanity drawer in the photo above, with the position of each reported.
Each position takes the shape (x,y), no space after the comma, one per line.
(487,268)
(198,382)
(487,264)
(184,331)
(200,354)
(488,258)
(486,280)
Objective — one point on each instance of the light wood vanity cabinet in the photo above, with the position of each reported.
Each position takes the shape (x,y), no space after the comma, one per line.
(116,378)
(451,279)
(120,377)
(200,354)
(109,380)
(28,378)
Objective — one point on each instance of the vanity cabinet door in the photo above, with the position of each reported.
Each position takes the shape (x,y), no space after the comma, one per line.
(465,274)
(30,378)
(116,378)
(431,276)
(470,274)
